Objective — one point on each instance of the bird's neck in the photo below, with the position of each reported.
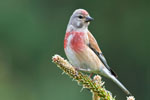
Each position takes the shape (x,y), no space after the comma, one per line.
(71,28)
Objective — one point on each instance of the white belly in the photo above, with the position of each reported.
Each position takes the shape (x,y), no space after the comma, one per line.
(83,60)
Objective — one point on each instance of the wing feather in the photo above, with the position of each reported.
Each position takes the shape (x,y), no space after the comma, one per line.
(93,43)
(94,46)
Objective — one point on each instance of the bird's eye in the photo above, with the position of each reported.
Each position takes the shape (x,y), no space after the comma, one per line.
(80,17)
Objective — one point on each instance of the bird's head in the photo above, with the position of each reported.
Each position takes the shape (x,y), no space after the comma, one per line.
(80,19)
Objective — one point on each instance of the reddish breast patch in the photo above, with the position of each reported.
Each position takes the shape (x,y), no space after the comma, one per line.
(66,39)
(77,43)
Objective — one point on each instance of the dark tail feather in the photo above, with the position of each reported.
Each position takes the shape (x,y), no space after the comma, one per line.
(113,73)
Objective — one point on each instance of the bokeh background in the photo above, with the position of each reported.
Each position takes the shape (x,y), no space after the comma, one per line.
(32,31)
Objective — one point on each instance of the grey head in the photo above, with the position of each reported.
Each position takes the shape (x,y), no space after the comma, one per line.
(80,19)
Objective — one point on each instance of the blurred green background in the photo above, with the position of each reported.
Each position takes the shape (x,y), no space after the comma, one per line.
(32,31)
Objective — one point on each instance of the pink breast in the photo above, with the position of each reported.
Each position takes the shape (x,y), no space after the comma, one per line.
(77,41)
(66,39)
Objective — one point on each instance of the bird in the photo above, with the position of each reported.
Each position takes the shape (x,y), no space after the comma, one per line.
(82,49)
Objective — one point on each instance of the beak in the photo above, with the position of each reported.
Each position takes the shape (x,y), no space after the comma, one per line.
(88,19)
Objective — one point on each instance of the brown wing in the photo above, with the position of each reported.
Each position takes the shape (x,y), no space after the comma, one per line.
(94,46)
(93,43)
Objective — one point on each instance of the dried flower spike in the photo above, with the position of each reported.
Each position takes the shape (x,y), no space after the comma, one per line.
(130,98)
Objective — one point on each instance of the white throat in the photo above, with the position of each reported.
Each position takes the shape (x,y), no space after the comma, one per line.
(72,28)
